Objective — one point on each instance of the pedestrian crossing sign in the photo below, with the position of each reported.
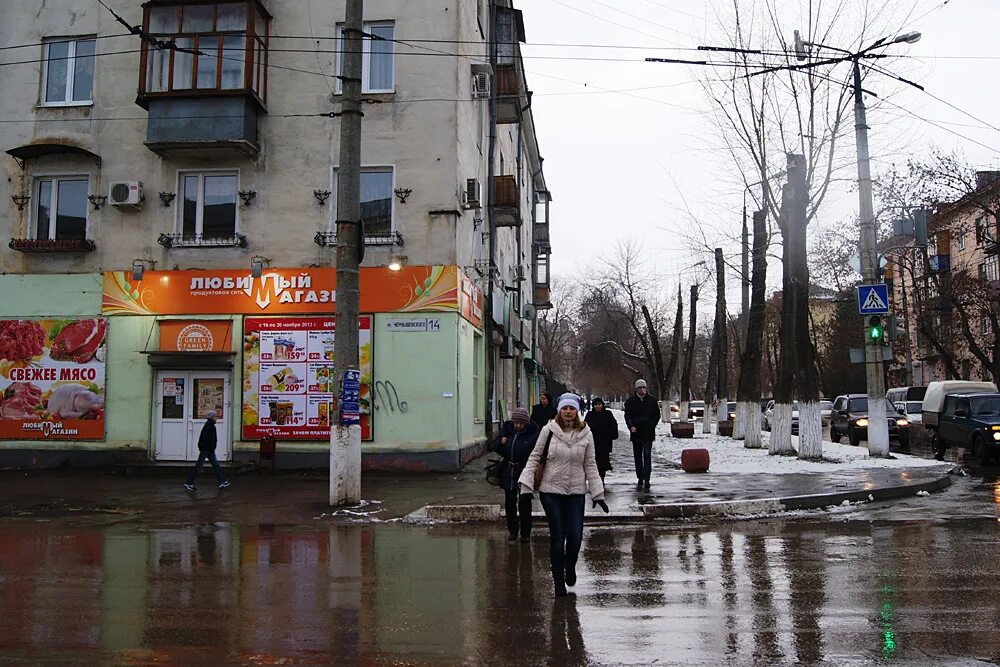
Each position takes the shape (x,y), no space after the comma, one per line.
(873,299)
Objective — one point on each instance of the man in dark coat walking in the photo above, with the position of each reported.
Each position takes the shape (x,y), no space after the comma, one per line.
(514,443)
(604,426)
(207,441)
(642,412)
(544,412)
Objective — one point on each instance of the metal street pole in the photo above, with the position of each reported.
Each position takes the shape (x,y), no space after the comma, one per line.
(345,434)
(878,427)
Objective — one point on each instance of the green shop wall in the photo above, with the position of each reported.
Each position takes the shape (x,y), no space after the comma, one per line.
(422,367)
(62,296)
(471,383)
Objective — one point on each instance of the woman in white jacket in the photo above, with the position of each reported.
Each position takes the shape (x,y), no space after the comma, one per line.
(565,450)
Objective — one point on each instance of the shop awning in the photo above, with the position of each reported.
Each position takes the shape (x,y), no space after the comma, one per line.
(28,151)
(209,361)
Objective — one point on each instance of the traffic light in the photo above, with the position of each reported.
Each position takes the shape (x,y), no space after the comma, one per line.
(895,328)
(875,331)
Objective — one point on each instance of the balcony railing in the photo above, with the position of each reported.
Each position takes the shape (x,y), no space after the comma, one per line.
(52,245)
(179,240)
(506,202)
(329,239)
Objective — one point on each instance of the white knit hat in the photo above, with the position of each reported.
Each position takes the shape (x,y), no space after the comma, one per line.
(568,400)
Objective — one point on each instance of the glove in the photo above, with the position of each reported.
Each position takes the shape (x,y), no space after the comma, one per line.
(604,506)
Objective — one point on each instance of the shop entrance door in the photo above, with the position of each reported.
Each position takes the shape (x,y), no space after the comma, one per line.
(183,398)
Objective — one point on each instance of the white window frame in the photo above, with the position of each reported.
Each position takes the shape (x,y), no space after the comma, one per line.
(960,238)
(200,212)
(366,57)
(985,325)
(54,203)
(70,72)
(391,168)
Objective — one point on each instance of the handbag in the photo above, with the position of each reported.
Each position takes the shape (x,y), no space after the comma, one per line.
(540,468)
(493,471)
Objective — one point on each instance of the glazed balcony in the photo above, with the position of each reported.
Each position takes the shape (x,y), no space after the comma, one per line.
(506,202)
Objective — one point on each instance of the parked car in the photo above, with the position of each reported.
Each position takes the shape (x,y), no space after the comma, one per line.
(934,400)
(825,410)
(850,418)
(972,421)
(768,418)
(731,410)
(696,409)
(912,410)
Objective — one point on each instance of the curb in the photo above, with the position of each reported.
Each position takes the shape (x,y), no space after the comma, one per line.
(491,513)
(790,503)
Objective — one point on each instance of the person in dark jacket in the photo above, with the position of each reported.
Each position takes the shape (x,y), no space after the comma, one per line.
(642,412)
(514,443)
(544,412)
(207,441)
(604,426)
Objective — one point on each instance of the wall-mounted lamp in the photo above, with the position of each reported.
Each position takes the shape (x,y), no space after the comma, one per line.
(167,197)
(139,267)
(321,196)
(97,201)
(402,194)
(397,262)
(248,196)
(257,263)
(21,201)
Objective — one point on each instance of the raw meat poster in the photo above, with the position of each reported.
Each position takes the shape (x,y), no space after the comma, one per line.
(52,379)
(288,380)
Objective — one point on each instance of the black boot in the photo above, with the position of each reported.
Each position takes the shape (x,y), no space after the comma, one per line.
(561,591)
(571,576)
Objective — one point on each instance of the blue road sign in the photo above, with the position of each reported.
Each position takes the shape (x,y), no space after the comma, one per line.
(873,299)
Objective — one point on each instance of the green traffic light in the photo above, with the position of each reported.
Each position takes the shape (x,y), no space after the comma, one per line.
(875,333)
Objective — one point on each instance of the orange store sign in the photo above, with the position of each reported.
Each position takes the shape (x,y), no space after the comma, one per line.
(196,336)
(290,291)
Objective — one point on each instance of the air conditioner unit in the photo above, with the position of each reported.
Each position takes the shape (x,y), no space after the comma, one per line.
(473,193)
(125,193)
(481,85)
(519,274)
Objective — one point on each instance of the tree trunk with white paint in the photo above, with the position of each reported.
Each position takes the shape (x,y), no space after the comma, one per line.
(876,413)
(740,425)
(683,416)
(810,431)
(753,439)
(781,430)
(706,420)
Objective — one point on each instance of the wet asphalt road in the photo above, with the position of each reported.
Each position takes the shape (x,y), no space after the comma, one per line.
(914,582)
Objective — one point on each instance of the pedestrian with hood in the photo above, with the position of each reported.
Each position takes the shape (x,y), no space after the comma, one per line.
(604,426)
(642,412)
(207,441)
(563,468)
(545,411)
(514,443)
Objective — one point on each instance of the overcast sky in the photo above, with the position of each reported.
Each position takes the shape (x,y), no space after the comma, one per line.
(634,164)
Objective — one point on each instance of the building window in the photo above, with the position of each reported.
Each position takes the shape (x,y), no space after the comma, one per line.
(960,238)
(377,58)
(232,41)
(68,71)
(985,325)
(477,363)
(208,205)
(376,200)
(61,208)
(991,269)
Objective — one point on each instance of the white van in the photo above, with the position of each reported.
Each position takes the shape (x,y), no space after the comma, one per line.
(936,392)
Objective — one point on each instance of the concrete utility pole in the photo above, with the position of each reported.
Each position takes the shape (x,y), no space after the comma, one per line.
(878,427)
(689,356)
(345,435)
(722,337)
(745,282)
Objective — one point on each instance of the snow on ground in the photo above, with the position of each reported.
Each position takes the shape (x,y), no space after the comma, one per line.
(728,455)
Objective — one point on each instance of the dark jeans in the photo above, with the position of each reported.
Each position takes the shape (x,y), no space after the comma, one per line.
(565,516)
(201,461)
(518,512)
(643,452)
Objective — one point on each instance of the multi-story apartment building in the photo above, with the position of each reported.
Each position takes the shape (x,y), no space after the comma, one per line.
(169,195)
(948,295)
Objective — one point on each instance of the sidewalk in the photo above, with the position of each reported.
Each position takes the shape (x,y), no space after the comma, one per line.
(739,482)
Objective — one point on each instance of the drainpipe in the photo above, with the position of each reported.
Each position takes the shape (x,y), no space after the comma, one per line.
(491,226)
